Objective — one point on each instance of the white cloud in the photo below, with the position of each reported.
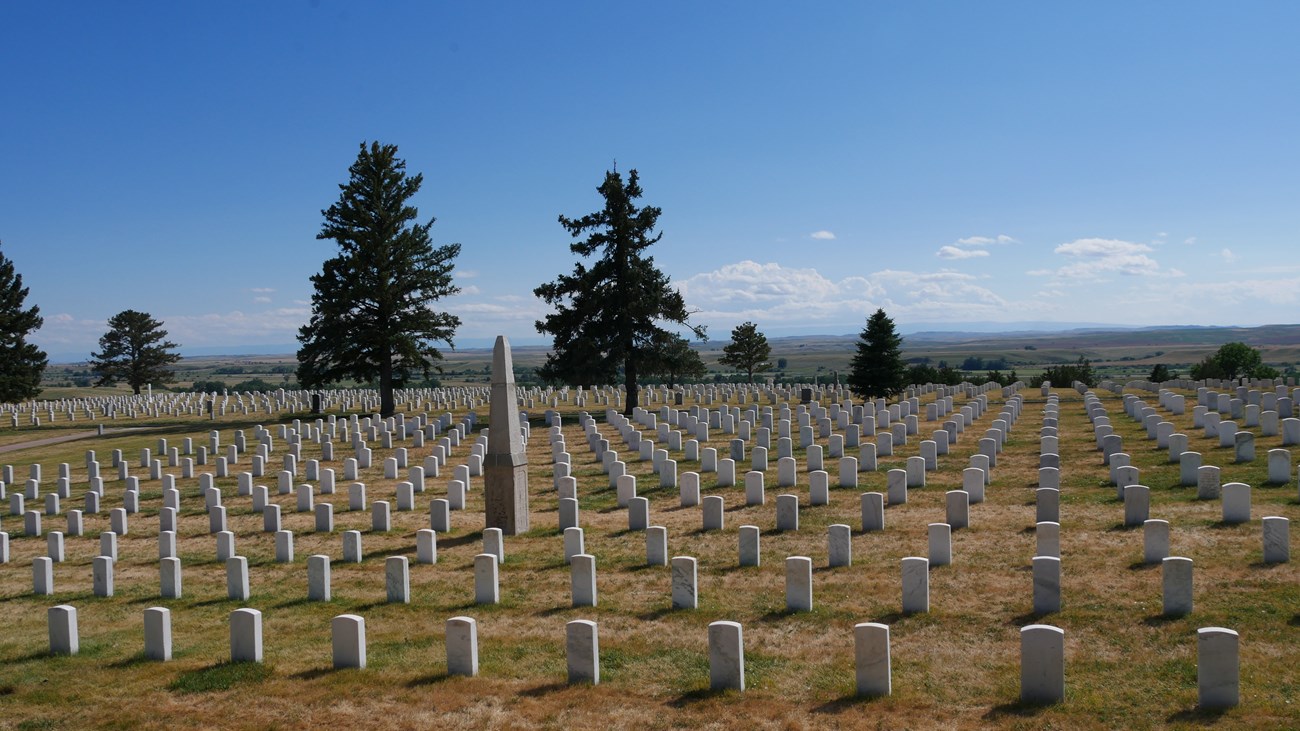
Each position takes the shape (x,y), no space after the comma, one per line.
(986,241)
(262,300)
(1228,256)
(262,290)
(972,246)
(952,252)
(277,325)
(1189,240)
(467,274)
(774,293)
(468,290)
(1100,248)
(822,235)
(1093,259)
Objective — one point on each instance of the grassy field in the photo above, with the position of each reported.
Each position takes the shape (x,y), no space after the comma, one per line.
(954,667)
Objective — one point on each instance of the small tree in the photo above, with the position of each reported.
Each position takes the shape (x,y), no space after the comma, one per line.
(1232,361)
(877,369)
(748,350)
(1080,371)
(675,360)
(1160,373)
(371,314)
(607,316)
(21,362)
(135,350)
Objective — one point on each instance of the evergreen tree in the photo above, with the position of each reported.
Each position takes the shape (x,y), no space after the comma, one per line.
(748,350)
(371,315)
(877,369)
(1160,373)
(21,362)
(135,350)
(607,315)
(676,361)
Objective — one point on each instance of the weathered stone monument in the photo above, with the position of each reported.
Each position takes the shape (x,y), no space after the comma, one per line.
(506,464)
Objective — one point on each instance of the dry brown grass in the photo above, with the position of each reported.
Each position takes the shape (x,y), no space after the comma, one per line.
(955,667)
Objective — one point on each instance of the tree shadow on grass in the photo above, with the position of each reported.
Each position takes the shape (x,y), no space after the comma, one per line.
(301,601)
(1143,566)
(1199,716)
(1018,709)
(1294,621)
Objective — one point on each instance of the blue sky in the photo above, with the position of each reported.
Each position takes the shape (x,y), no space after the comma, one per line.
(952,162)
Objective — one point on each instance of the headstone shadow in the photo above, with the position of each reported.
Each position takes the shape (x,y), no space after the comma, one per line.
(1018,709)
(1198,716)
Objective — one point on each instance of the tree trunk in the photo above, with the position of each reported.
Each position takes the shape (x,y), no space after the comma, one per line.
(386,405)
(629,382)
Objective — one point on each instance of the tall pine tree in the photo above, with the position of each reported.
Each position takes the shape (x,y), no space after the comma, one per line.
(877,369)
(21,362)
(607,312)
(371,316)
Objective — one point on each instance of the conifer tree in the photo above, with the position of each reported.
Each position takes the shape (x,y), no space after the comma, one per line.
(877,369)
(608,311)
(677,362)
(21,362)
(371,315)
(748,350)
(135,350)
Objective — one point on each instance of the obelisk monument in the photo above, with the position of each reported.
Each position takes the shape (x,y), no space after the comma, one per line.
(505,468)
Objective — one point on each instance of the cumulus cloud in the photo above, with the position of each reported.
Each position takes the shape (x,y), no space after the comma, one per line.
(1189,240)
(774,293)
(1094,258)
(466,273)
(262,290)
(972,247)
(1100,248)
(952,252)
(986,240)
(1228,256)
(262,300)
(822,235)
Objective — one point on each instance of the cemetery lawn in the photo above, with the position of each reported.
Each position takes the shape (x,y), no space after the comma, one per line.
(957,666)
